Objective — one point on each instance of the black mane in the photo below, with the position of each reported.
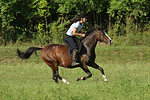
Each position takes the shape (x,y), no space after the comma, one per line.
(89,32)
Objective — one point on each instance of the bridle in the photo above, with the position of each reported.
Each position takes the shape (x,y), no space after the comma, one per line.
(101,34)
(104,35)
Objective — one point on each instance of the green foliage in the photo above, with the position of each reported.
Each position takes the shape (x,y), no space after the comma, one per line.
(65,6)
(41,37)
(140,38)
(6,18)
(42,7)
(58,30)
(136,38)
(46,21)
(128,13)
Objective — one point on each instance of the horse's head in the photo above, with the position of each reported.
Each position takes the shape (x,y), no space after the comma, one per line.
(103,37)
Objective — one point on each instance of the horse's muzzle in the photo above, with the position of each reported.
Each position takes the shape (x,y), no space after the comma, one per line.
(110,42)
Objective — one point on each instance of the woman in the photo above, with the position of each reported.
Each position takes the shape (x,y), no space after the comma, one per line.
(73,31)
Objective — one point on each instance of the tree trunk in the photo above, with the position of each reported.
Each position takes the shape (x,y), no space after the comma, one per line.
(46,31)
(100,19)
(110,24)
(94,18)
(129,24)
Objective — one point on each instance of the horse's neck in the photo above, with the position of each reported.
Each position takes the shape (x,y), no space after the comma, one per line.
(90,44)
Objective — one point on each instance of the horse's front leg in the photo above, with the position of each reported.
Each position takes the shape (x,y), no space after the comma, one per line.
(85,69)
(94,65)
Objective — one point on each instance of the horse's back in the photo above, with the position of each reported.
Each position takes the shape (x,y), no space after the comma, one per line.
(55,53)
(53,47)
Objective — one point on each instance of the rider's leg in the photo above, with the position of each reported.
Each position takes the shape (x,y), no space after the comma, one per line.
(74,63)
(72,42)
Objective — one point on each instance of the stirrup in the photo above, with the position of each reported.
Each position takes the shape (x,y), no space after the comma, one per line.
(75,63)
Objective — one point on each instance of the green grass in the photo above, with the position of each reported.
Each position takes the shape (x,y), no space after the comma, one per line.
(127,70)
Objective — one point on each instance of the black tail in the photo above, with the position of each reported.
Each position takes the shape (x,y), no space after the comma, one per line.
(28,53)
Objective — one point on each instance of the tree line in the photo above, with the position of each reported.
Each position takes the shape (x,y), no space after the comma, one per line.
(46,21)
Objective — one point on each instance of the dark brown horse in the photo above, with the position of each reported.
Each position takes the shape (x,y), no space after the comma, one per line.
(55,55)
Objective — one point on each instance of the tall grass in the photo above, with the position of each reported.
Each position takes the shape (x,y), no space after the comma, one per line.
(128,76)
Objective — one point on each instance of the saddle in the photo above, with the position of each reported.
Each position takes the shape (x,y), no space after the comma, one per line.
(81,49)
(70,49)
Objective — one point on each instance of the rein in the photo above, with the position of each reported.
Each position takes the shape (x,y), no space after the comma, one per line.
(99,35)
(88,35)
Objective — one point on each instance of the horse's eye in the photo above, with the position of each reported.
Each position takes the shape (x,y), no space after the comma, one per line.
(103,33)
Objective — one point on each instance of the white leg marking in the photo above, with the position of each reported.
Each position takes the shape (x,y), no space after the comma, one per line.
(65,81)
(80,78)
(105,79)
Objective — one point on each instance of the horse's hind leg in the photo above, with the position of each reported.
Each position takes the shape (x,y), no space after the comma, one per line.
(54,68)
(56,75)
(94,65)
(64,80)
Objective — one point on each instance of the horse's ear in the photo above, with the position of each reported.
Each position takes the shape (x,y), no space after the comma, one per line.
(96,26)
(106,30)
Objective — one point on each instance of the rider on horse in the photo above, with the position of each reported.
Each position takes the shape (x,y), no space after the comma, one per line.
(74,31)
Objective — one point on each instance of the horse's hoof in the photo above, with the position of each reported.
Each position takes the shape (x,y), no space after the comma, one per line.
(79,78)
(56,82)
(106,81)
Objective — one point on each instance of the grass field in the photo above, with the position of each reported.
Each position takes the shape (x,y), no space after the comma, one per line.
(127,70)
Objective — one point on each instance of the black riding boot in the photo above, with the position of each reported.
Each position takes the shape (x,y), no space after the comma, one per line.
(74,63)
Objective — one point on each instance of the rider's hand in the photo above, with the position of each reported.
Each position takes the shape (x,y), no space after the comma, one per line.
(83,35)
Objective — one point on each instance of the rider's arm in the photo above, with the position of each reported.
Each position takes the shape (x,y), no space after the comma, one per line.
(77,34)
